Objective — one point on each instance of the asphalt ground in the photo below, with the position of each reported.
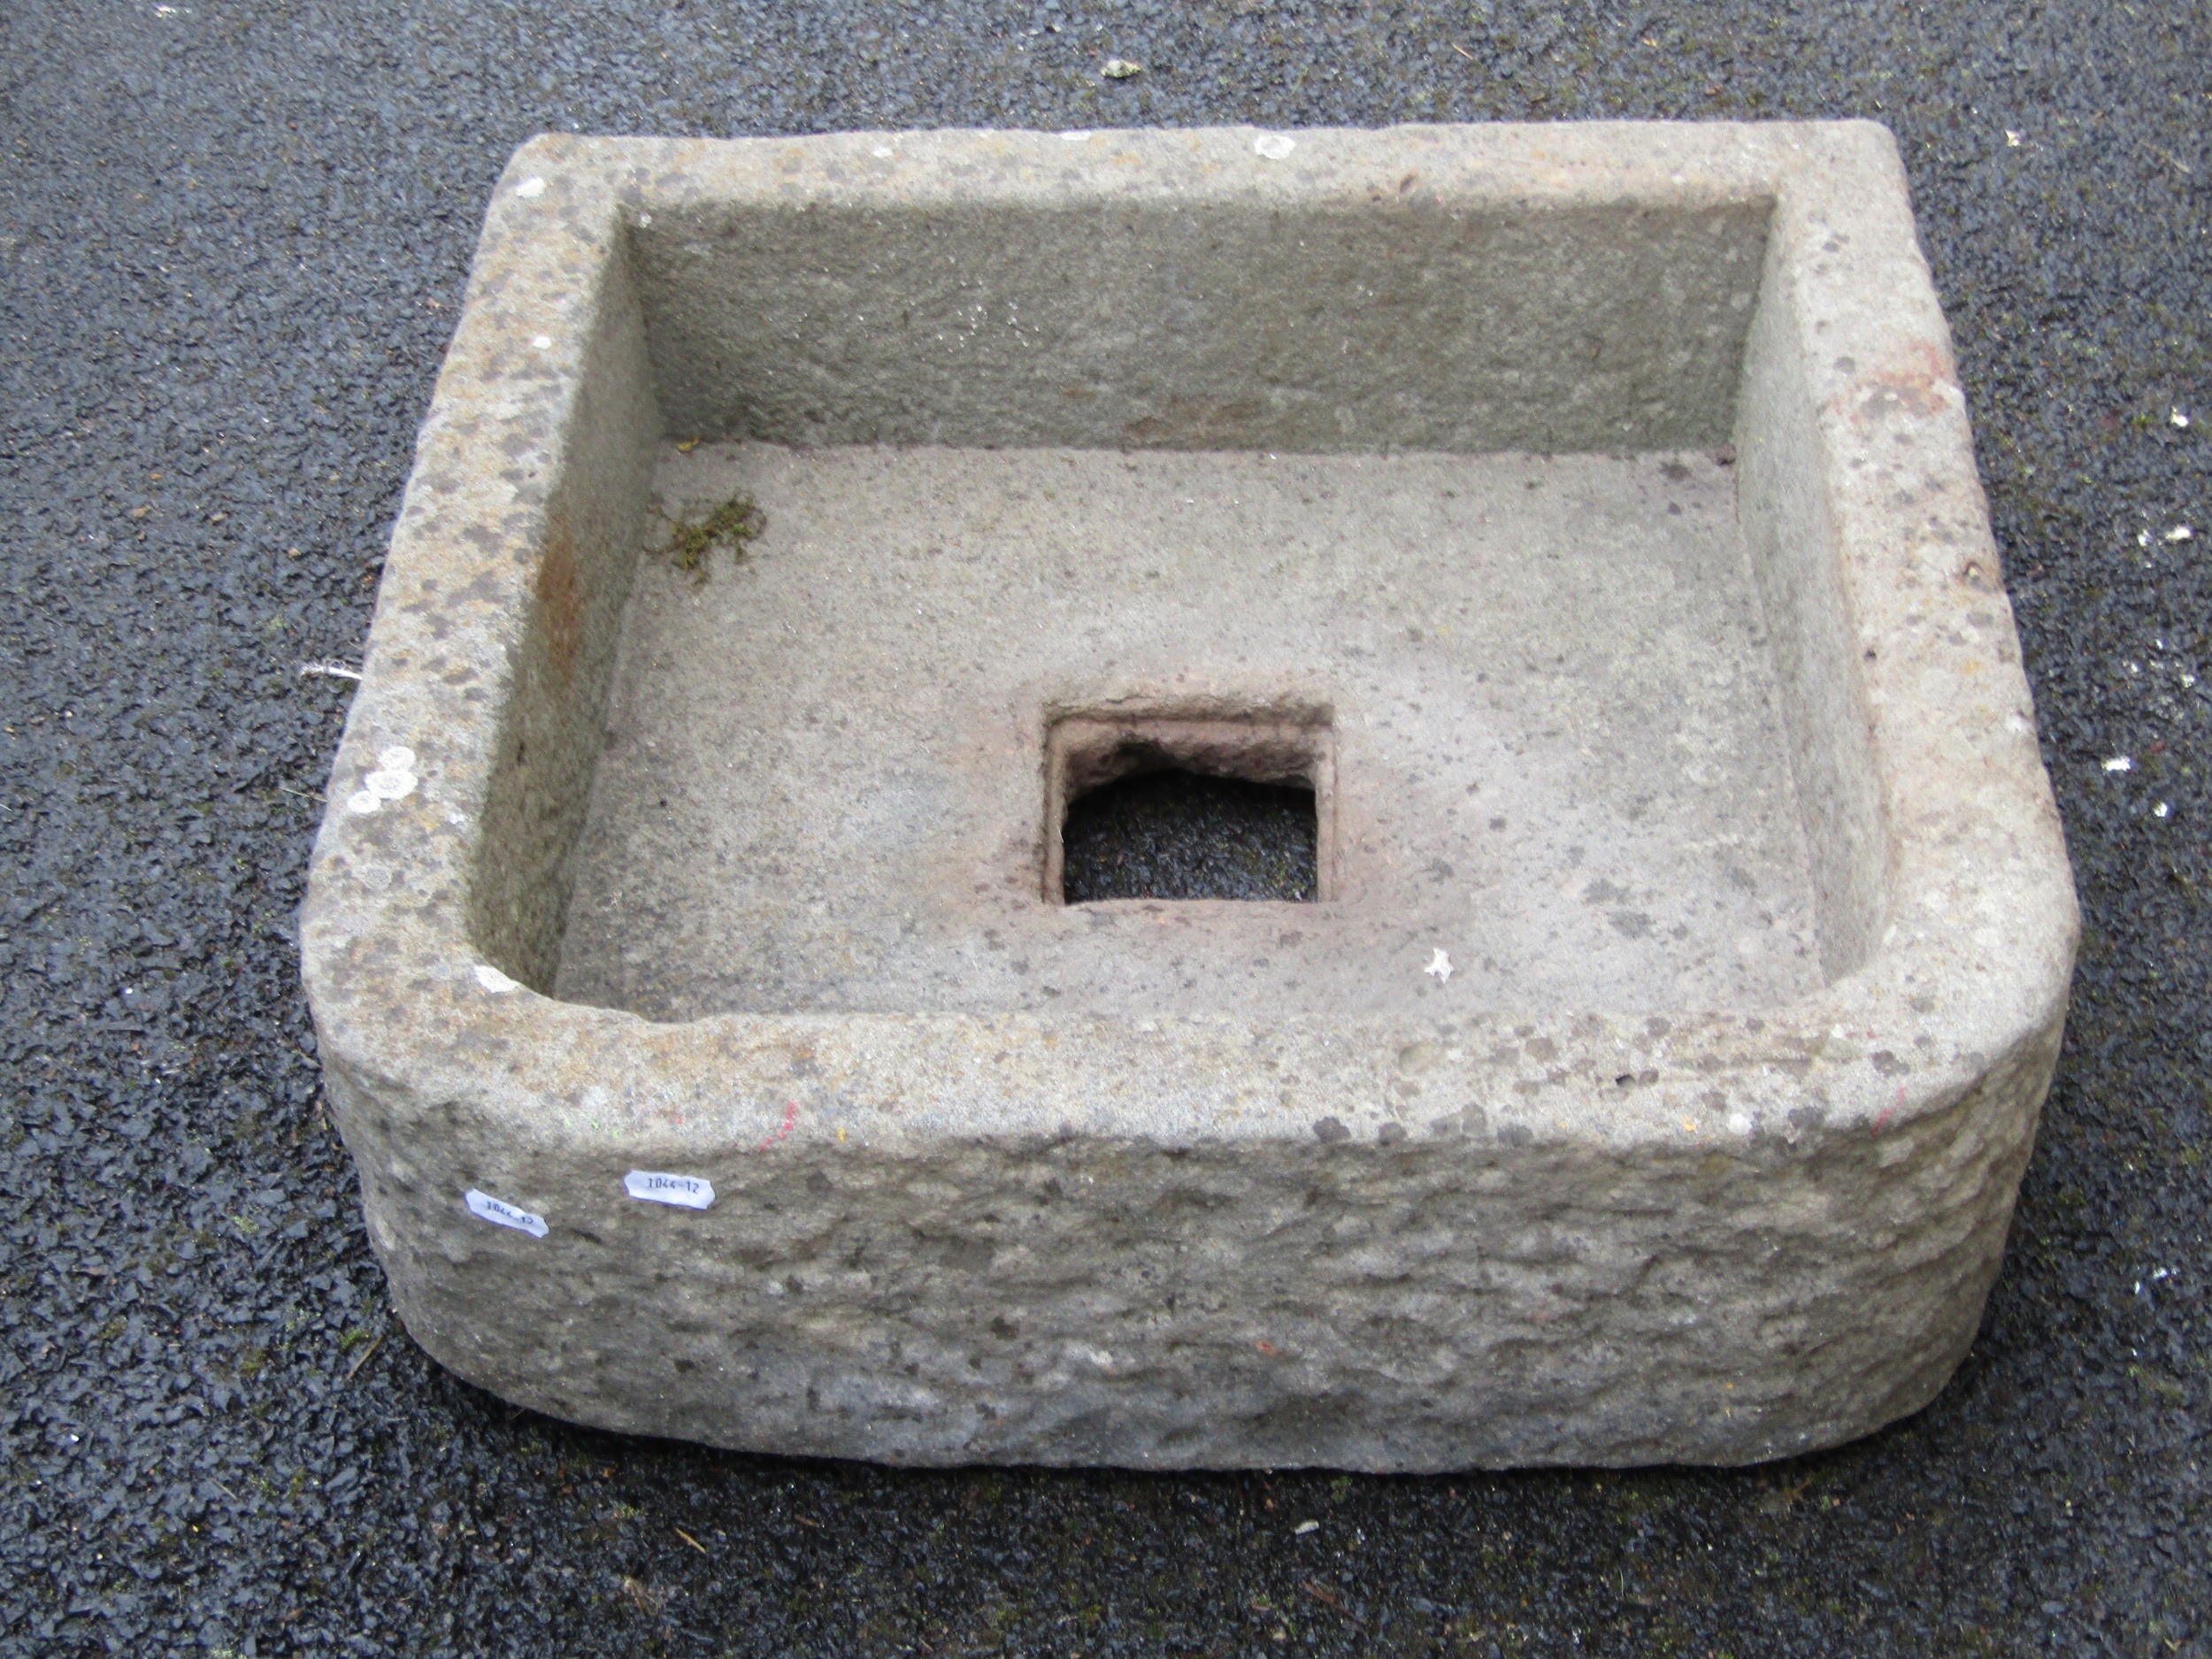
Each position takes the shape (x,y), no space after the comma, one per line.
(233,240)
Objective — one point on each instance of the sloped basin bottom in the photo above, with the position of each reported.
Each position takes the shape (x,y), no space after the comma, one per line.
(1542,682)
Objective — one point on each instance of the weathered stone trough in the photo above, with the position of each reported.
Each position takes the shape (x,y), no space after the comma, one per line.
(1586,514)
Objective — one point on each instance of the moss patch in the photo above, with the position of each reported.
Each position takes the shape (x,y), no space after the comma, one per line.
(733,524)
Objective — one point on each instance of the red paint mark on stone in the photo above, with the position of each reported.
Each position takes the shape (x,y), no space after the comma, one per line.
(790,1118)
(1882,1121)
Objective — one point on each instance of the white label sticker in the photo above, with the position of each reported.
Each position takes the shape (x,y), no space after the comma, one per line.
(485,1207)
(688,1191)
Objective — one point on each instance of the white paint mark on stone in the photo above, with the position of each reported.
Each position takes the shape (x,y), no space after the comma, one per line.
(686,1192)
(493,981)
(1441,965)
(543,343)
(531,186)
(2120,762)
(1304,1527)
(485,1207)
(1273,146)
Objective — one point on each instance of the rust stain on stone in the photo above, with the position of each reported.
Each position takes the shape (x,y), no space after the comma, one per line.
(1981,575)
(1195,423)
(561,598)
(1916,386)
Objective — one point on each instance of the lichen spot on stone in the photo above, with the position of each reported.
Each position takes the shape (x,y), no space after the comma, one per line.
(534,185)
(493,981)
(393,779)
(1273,146)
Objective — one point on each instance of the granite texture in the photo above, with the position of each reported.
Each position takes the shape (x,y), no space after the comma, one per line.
(1470,1225)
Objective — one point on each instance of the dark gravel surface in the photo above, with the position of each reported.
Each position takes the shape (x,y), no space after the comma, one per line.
(233,239)
(1177,835)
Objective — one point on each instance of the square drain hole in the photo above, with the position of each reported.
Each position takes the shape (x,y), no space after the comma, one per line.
(1189,806)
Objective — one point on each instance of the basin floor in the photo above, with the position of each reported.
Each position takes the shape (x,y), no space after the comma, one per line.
(1558,757)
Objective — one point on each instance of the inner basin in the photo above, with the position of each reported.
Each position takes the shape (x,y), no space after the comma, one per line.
(1531,695)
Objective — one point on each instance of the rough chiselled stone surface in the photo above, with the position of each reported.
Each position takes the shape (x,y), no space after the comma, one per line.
(1587,514)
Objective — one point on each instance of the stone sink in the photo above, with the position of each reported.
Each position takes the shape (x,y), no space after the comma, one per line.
(1580,520)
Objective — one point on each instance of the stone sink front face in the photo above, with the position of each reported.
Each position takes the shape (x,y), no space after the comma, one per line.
(1586,515)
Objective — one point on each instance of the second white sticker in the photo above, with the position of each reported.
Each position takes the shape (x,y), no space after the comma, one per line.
(686,1192)
(485,1207)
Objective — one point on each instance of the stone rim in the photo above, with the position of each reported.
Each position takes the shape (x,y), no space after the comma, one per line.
(1988,854)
